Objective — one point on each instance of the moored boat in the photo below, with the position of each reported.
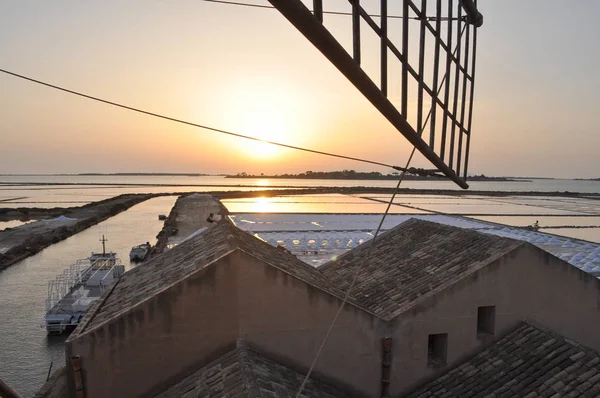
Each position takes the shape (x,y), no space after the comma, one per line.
(73,292)
(139,252)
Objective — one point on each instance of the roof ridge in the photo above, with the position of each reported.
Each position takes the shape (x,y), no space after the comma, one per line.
(258,241)
(243,352)
(367,244)
(328,287)
(447,283)
(87,329)
(413,261)
(531,323)
(335,292)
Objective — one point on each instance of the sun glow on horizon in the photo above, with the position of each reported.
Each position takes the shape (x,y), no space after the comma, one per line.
(264,110)
(265,126)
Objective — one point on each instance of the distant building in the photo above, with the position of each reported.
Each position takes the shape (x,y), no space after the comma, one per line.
(428,298)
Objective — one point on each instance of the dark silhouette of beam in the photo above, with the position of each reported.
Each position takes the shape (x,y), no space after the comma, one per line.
(349,65)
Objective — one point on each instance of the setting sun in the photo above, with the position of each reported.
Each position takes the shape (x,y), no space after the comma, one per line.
(268,127)
(262,111)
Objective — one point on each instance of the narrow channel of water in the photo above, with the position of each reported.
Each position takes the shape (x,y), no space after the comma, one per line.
(25,350)
(12,224)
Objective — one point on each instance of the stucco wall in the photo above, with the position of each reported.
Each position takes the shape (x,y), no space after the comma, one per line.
(290,318)
(527,284)
(190,323)
(161,337)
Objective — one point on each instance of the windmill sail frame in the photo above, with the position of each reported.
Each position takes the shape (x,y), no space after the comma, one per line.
(443,110)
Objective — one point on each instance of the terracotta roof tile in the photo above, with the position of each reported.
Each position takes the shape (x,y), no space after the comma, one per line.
(173,265)
(407,263)
(244,372)
(413,260)
(527,362)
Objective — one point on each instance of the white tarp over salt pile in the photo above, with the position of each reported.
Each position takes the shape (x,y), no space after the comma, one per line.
(273,222)
(582,254)
(62,219)
(316,238)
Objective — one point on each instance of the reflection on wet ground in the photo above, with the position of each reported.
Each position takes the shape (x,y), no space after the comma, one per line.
(77,196)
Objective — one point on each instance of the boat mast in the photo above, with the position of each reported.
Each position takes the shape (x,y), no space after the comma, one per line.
(103,240)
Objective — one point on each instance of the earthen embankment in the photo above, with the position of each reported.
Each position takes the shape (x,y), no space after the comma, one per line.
(54,225)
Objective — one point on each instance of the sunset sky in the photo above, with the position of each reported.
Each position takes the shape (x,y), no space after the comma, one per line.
(248,70)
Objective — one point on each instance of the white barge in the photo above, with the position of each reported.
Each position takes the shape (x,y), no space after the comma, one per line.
(74,291)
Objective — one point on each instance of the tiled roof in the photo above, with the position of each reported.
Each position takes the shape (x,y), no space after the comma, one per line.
(528,362)
(161,271)
(415,259)
(409,261)
(244,372)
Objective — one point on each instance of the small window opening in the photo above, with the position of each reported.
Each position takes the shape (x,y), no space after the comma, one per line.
(437,348)
(486,320)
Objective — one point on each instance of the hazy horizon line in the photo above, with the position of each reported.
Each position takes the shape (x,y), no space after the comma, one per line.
(198,174)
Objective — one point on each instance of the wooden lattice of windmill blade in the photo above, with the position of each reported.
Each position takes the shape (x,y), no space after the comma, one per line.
(435,45)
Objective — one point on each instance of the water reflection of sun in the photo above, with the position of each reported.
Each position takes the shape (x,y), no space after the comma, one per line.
(262,205)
